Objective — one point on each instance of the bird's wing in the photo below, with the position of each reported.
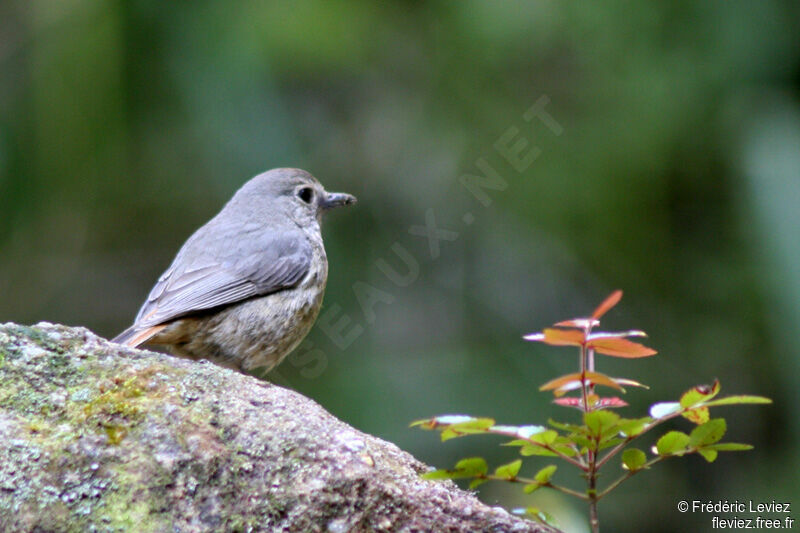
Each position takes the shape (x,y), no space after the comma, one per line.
(209,273)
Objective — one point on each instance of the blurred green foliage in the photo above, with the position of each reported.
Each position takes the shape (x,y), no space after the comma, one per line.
(126,125)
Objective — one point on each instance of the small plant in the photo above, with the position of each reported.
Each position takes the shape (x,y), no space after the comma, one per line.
(603,434)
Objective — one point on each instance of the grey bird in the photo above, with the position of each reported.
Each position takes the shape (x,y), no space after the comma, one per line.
(246,288)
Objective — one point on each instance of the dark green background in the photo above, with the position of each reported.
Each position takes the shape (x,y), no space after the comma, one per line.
(676,177)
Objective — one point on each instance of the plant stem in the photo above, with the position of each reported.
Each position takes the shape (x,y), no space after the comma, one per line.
(591,478)
(529,481)
(594,520)
(565,490)
(584,386)
(628,475)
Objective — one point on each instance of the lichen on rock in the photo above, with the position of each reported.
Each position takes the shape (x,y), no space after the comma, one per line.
(99,437)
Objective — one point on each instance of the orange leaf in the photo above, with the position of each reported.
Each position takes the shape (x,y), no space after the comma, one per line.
(607,304)
(566,382)
(563,337)
(618,347)
(601,379)
(581,323)
(561,381)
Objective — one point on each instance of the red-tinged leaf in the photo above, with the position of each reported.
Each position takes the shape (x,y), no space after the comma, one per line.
(600,403)
(618,347)
(698,415)
(611,402)
(425,423)
(569,401)
(699,394)
(607,304)
(565,383)
(581,323)
(563,337)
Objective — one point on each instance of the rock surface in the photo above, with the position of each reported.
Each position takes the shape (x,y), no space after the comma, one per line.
(99,437)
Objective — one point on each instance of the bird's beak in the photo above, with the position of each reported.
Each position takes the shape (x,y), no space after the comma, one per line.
(336,199)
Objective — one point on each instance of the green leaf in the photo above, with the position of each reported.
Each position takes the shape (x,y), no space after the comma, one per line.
(426,423)
(475,483)
(443,420)
(742,399)
(510,470)
(699,394)
(539,515)
(470,427)
(581,441)
(533,449)
(708,455)
(545,437)
(543,476)
(438,474)
(633,427)
(530,487)
(729,447)
(600,421)
(708,433)
(633,459)
(672,443)
(570,428)
(608,443)
(472,466)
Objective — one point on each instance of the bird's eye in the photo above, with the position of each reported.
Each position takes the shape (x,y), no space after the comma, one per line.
(306,194)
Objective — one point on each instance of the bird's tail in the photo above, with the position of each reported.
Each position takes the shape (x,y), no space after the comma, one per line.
(136,335)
